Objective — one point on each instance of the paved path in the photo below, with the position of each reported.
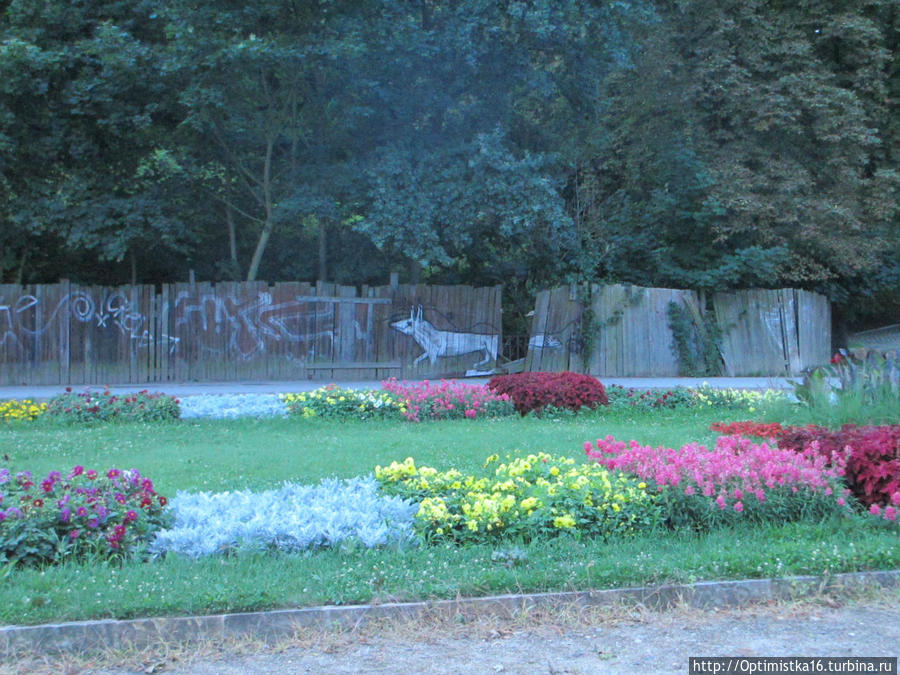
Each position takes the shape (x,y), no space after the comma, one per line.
(194,388)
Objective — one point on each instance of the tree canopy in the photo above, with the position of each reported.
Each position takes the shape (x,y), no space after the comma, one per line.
(711,144)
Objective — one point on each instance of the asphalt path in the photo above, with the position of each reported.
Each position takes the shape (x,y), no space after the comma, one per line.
(181,389)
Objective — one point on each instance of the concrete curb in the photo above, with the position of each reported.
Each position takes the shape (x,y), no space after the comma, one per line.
(139,633)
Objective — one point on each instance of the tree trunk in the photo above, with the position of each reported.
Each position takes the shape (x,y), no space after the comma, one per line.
(232,239)
(20,273)
(323,251)
(269,224)
(415,271)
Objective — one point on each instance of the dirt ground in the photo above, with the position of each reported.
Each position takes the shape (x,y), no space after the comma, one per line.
(567,640)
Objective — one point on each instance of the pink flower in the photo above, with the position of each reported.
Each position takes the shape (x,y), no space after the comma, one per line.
(720,500)
(875,510)
(77,471)
(841,501)
(895,498)
(74,534)
(738,506)
(890,513)
(689,490)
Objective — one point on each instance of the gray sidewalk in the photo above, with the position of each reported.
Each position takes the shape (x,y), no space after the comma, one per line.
(195,388)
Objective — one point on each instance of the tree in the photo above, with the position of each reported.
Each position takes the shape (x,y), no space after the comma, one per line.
(84,125)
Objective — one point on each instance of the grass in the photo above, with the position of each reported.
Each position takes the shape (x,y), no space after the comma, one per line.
(239,454)
(254,454)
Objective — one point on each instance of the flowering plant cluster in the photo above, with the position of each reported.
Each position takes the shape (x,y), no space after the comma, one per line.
(447,400)
(536,391)
(737,478)
(869,454)
(83,513)
(627,397)
(335,401)
(292,518)
(758,429)
(25,409)
(524,497)
(90,406)
(736,399)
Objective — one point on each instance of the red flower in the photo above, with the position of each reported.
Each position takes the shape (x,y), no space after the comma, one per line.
(837,359)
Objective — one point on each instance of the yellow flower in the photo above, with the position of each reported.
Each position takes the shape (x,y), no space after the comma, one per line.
(564,522)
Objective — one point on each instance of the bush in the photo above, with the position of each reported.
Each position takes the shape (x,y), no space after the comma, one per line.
(89,406)
(448,400)
(85,514)
(21,410)
(536,391)
(537,496)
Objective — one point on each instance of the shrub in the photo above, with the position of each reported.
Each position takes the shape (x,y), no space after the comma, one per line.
(537,496)
(21,410)
(448,400)
(536,391)
(869,454)
(89,406)
(735,480)
(332,401)
(292,518)
(81,514)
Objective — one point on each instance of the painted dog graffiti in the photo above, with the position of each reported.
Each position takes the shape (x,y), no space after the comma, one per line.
(445,343)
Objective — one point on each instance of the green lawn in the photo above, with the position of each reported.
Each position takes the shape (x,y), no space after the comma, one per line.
(228,455)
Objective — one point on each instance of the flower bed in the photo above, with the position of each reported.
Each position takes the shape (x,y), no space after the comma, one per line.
(448,399)
(25,409)
(868,456)
(291,518)
(333,401)
(524,498)
(736,479)
(229,406)
(91,406)
(82,514)
(534,392)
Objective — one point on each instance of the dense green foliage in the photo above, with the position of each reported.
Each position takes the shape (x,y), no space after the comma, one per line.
(706,144)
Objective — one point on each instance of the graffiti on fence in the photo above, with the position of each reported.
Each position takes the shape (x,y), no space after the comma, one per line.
(248,326)
(29,317)
(211,323)
(437,343)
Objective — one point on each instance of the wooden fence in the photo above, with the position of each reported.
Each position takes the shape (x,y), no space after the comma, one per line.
(626,331)
(64,333)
